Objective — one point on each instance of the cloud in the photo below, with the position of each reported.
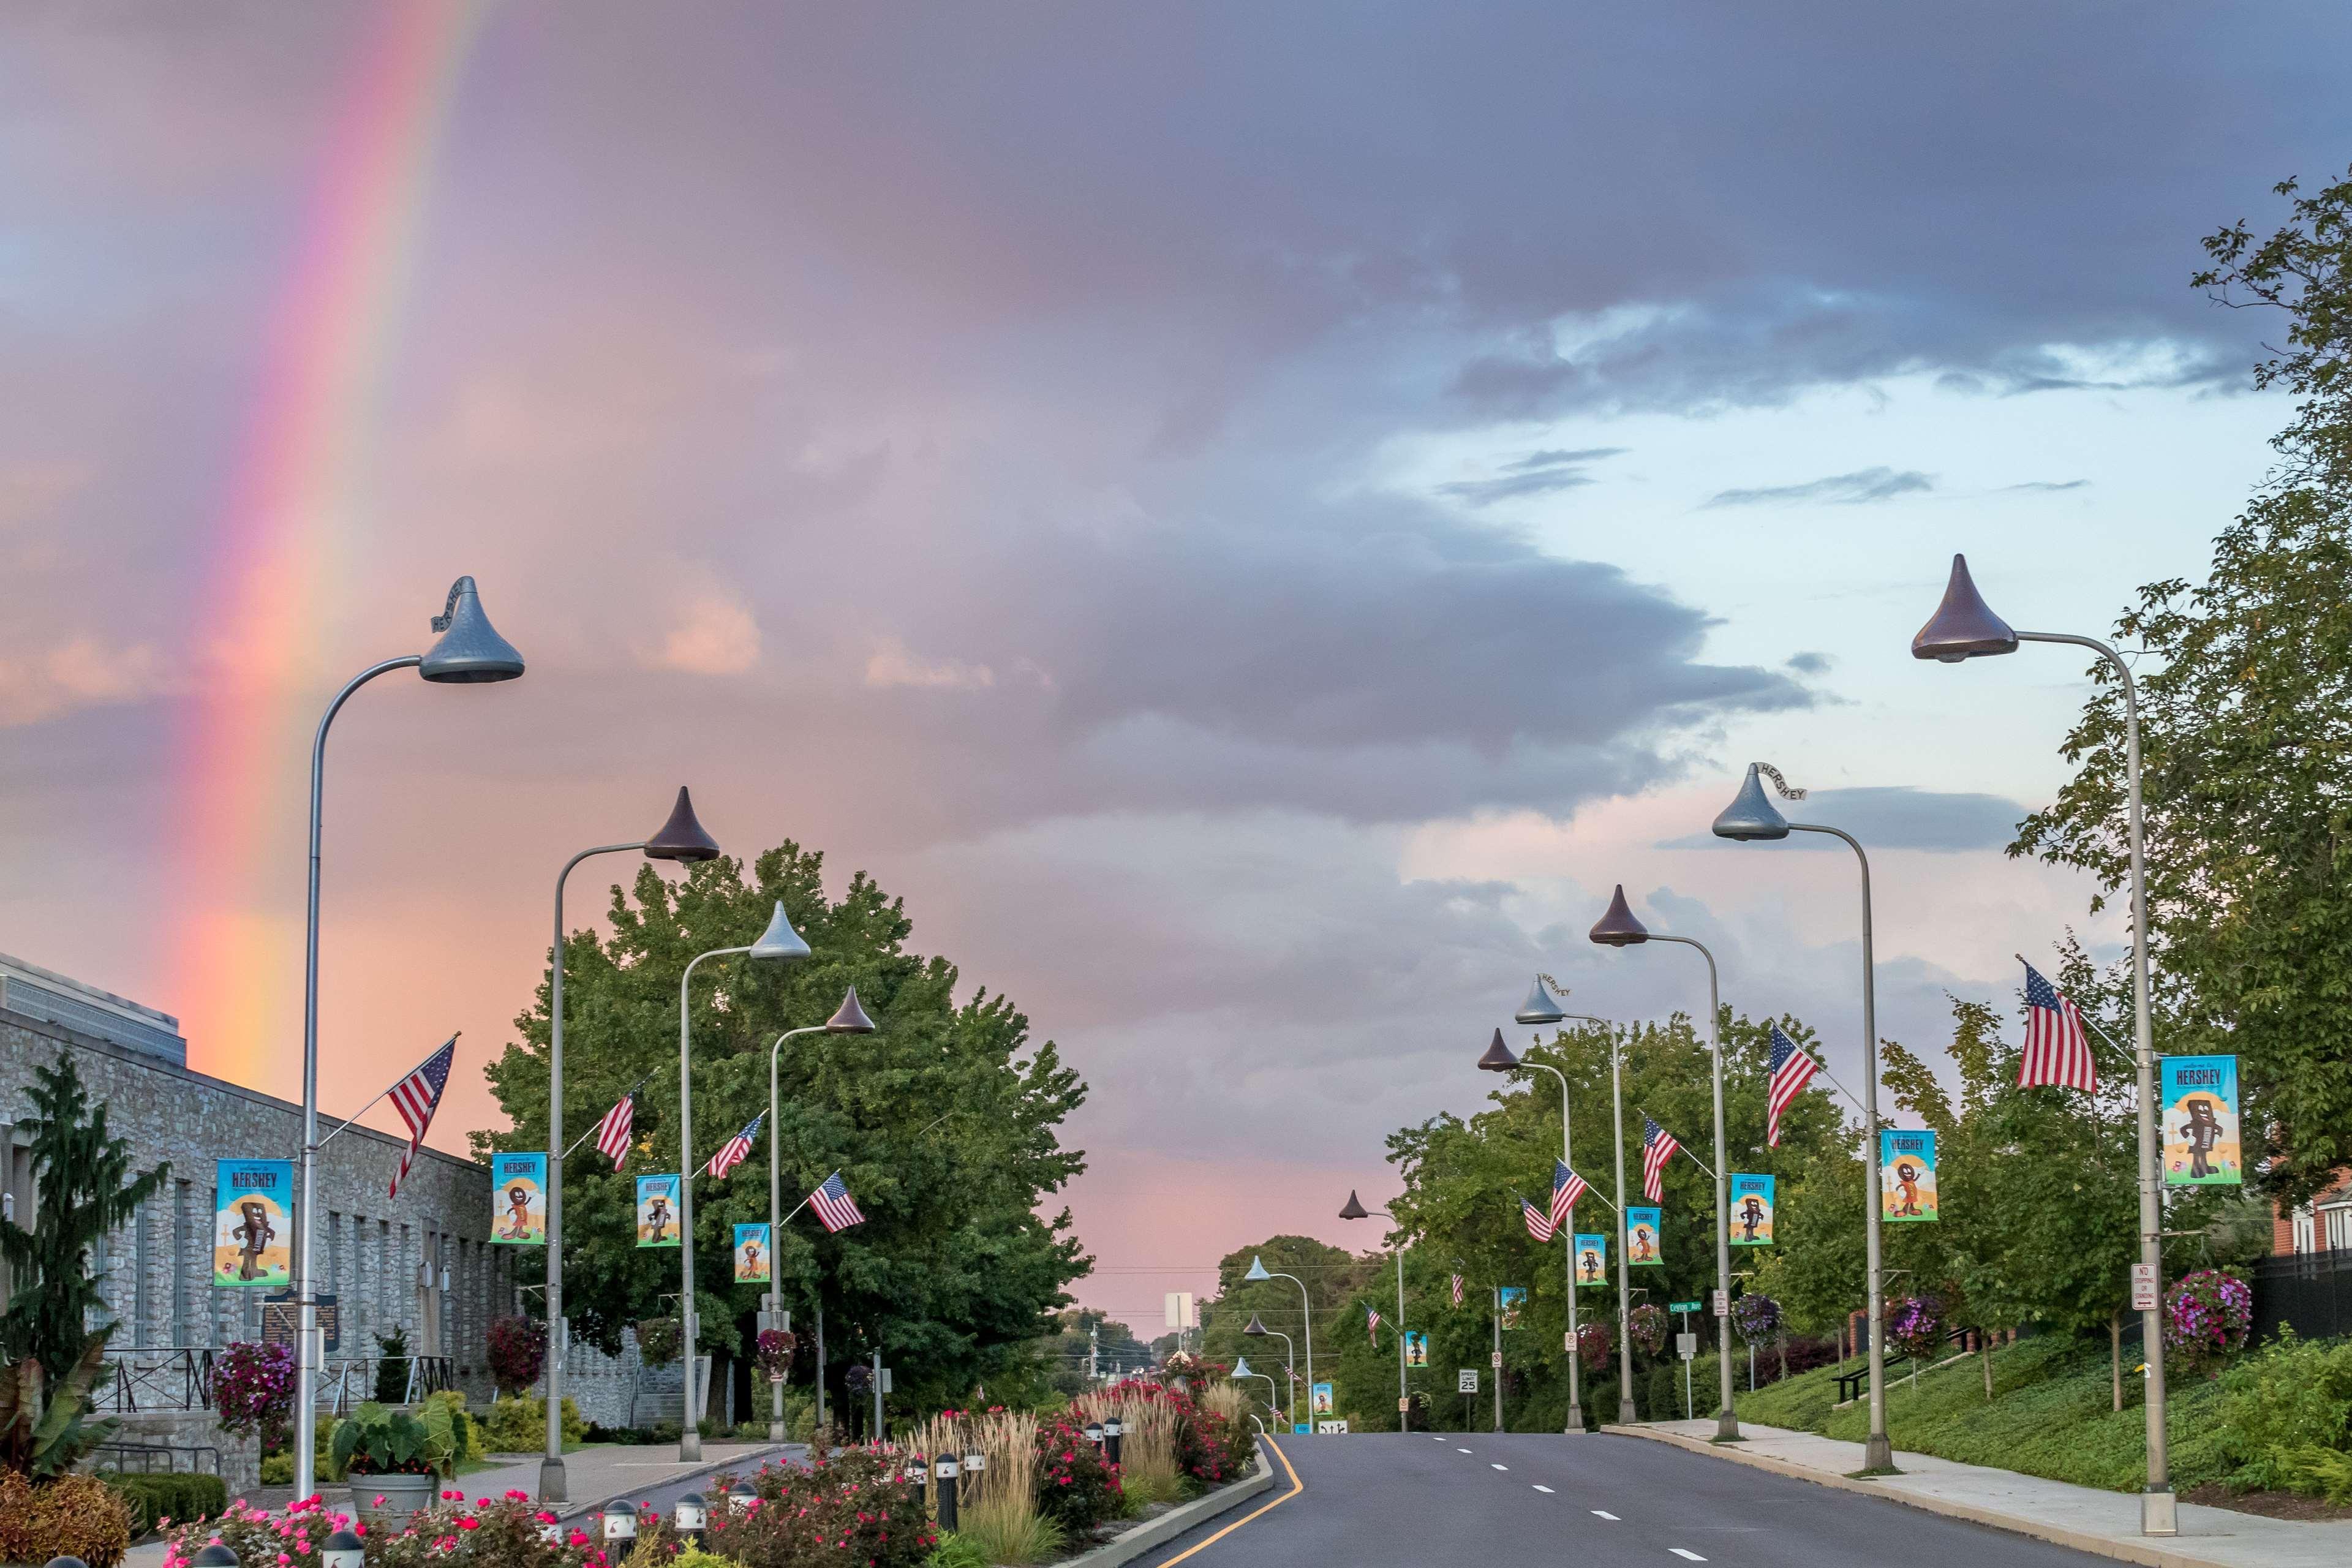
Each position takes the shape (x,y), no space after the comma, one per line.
(2045,485)
(1538,473)
(1810,663)
(84,673)
(1893,817)
(716,634)
(893,665)
(1857,488)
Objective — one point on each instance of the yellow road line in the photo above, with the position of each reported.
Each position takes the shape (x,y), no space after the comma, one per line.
(1297,1486)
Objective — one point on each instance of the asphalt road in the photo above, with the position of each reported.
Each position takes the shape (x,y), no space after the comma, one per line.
(1595,1501)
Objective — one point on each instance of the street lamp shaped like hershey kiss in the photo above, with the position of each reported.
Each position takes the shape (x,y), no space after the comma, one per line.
(1498,1056)
(1353,1209)
(1964,627)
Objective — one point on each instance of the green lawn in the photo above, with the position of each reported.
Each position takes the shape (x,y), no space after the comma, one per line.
(2051,1414)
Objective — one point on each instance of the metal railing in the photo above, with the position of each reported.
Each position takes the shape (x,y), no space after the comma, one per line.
(346,1384)
(166,1378)
(119,1457)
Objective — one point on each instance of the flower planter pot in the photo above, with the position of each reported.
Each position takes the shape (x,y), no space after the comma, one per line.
(402,1494)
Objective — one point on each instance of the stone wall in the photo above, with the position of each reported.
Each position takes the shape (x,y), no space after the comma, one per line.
(239,1458)
(156,1271)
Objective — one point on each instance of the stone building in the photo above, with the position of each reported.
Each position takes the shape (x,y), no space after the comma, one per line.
(420,1262)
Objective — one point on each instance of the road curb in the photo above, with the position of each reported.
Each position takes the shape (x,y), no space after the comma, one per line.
(1177,1520)
(2146,1554)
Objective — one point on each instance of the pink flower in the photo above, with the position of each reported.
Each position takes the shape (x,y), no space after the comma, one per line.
(470,1524)
(515,1495)
(379,1500)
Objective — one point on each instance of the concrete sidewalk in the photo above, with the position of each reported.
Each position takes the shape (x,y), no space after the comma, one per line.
(2085,1518)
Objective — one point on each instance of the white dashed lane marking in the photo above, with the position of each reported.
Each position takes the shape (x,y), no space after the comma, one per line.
(1686,1553)
(1500,1466)
(1541,1487)
(1461,1450)
(1604,1513)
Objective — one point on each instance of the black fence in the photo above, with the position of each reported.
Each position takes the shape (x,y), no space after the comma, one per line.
(168,1377)
(2310,1292)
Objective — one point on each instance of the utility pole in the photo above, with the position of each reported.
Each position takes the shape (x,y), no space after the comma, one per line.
(1497,1365)
(1094,1352)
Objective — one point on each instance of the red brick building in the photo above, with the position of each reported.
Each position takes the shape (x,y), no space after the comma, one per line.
(2324,1224)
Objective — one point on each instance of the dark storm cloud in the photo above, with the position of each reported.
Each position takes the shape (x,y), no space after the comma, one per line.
(1893,817)
(1859,488)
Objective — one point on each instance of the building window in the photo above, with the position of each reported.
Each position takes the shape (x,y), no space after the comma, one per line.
(2305,1239)
(2337,1222)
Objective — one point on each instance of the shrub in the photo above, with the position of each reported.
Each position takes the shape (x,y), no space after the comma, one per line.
(73,1516)
(178,1495)
(957,1550)
(1595,1342)
(517,1352)
(2295,1396)
(518,1425)
(1077,1489)
(2326,1472)
(252,1390)
(854,1507)
(452,1534)
(2206,1317)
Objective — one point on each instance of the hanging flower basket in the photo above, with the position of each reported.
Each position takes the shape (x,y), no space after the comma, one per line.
(1915,1326)
(660,1340)
(2206,1316)
(1648,1326)
(774,1352)
(1757,1317)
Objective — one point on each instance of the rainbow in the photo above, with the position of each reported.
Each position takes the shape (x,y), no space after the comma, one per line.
(243,751)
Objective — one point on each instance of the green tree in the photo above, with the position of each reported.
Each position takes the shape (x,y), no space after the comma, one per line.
(944,1124)
(1464,1178)
(2247,736)
(83,1174)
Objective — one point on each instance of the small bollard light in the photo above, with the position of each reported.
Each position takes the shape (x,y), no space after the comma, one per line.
(550,1532)
(620,1521)
(214,1555)
(343,1549)
(67,1563)
(917,1471)
(1095,1434)
(692,1513)
(741,1497)
(1112,1431)
(944,1470)
(974,1464)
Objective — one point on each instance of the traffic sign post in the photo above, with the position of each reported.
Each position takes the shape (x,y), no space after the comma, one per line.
(1686,1346)
(2144,1288)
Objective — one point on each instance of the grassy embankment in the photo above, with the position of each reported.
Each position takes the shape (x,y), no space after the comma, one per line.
(2051,1414)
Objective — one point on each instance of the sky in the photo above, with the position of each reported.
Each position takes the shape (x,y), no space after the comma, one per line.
(1252,520)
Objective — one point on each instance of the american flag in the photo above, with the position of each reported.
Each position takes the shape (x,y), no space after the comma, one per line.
(1457,1290)
(835,1210)
(613,1133)
(733,1152)
(417,1098)
(2056,1049)
(1791,1071)
(1566,1186)
(1372,1323)
(1540,1224)
(1658,1146)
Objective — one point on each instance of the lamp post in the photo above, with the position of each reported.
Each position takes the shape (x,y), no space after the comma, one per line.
(1356,1210)
(469,652)
(1258,1270)
(849,1018)
(779,942)
(1618,928)
(1257,1329)
(1752,817)
(1242,1370)
(680,839)
(1964,627)
(1542,1007)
